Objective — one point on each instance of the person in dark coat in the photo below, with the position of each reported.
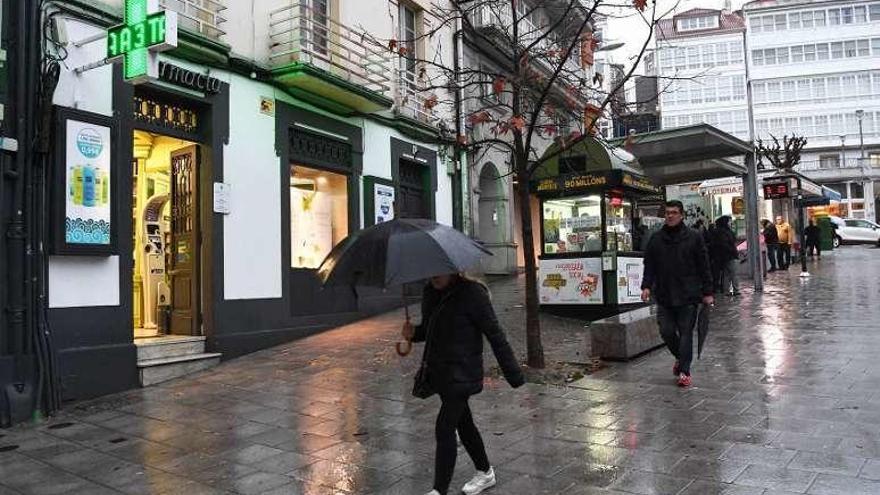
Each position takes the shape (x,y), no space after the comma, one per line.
(771,240)
(677,276)
(724,255)
(812,235)
(456,313)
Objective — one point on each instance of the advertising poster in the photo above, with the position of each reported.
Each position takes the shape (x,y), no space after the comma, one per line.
(88,206)
(384,202)
(629,280)
(570,281)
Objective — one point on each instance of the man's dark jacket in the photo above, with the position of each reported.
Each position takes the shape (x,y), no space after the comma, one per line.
(722,245)
(677,267)
(457,318)
(771,235)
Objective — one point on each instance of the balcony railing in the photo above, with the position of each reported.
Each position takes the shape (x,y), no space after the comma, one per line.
(409,100)
(849,164)
(299,34)
(201,16)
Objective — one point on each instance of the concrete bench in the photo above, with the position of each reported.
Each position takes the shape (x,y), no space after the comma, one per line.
(626,335)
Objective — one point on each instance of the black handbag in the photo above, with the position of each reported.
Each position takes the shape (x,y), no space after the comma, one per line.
(422,387)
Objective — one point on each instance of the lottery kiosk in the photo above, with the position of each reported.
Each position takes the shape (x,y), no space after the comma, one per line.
(596,210)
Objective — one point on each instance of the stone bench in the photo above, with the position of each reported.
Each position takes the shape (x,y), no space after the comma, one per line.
(626,335)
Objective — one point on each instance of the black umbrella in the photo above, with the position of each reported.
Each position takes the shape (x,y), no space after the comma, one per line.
(702,326)
(397,252)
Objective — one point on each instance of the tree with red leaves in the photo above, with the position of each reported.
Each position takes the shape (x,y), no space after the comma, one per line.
(540,89)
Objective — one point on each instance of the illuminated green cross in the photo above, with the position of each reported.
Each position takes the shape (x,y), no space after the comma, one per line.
(145,31)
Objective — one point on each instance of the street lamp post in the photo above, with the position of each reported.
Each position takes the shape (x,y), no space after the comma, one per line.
(860,114)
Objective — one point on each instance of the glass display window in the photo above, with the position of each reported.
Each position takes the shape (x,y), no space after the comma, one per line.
(572,225)
(318,214)
(618,223)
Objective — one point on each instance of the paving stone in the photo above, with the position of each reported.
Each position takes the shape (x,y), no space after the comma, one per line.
(827,463)
(711,470)
(776,478)
(830,484)
(756,454)
(701,487)
(650,484)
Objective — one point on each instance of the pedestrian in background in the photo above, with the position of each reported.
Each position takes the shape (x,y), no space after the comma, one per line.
(783,229)
(812,235)
(677,276)
(723,253)
(456,313)
(771,240)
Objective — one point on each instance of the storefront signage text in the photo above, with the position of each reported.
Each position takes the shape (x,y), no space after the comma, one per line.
(642,183)
(145,32)
(586,181)
(188,79)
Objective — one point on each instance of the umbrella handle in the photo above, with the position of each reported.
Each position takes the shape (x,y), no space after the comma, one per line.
(404,348)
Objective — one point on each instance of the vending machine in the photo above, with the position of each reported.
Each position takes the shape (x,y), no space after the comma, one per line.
(156,289)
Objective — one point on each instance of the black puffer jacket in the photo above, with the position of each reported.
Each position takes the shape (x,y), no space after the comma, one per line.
(457,318)
(722,245)
(677,267)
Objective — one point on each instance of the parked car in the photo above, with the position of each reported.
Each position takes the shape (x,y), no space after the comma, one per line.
(855,231)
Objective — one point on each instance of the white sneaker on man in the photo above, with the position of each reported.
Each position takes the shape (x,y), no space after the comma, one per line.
(481,481)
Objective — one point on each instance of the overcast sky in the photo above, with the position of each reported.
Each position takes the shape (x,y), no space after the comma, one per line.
(631,29)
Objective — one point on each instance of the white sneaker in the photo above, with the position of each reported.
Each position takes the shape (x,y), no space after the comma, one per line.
(433,492)
(481,481)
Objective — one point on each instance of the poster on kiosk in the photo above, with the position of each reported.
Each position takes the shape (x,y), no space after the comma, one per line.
(570,281)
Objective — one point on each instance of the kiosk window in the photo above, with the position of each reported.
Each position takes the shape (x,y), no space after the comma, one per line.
(618,218)
(573,225)
(318,214)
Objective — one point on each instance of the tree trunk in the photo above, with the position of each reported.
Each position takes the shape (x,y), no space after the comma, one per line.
(534,347)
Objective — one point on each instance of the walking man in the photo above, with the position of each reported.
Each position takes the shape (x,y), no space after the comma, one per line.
(677,275)
(771,239)
(783,229)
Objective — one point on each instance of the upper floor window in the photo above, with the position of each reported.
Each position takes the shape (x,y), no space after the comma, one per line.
(695,23)
(408,36)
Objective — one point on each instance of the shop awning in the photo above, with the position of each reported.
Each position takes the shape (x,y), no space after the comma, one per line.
(688,154)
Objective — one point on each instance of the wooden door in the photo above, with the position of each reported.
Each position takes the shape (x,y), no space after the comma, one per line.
(184,266)
(412,203)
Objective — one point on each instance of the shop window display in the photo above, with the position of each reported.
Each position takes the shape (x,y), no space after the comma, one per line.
(318,214)
(573,225)
(619,228)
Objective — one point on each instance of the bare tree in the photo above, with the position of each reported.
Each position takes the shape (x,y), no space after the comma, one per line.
(538,96)
(783,156)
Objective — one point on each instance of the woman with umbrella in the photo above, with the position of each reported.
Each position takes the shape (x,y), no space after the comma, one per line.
(456,313)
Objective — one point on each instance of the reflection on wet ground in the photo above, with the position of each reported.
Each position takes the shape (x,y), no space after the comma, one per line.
(786,400)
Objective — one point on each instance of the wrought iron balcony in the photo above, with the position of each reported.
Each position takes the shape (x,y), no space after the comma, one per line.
(409,100)
(200,16)
(308,49)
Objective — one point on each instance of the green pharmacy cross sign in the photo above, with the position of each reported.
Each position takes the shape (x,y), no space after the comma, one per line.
(146,31)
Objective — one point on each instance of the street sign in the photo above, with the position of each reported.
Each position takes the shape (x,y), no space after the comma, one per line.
(146,30)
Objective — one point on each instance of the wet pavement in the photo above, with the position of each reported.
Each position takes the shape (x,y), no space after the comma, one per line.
(786,400)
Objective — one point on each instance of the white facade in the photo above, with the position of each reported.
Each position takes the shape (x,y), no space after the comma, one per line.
(812,66)
(252,230)
(702,73)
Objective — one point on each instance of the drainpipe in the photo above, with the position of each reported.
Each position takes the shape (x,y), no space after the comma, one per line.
(461,181)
